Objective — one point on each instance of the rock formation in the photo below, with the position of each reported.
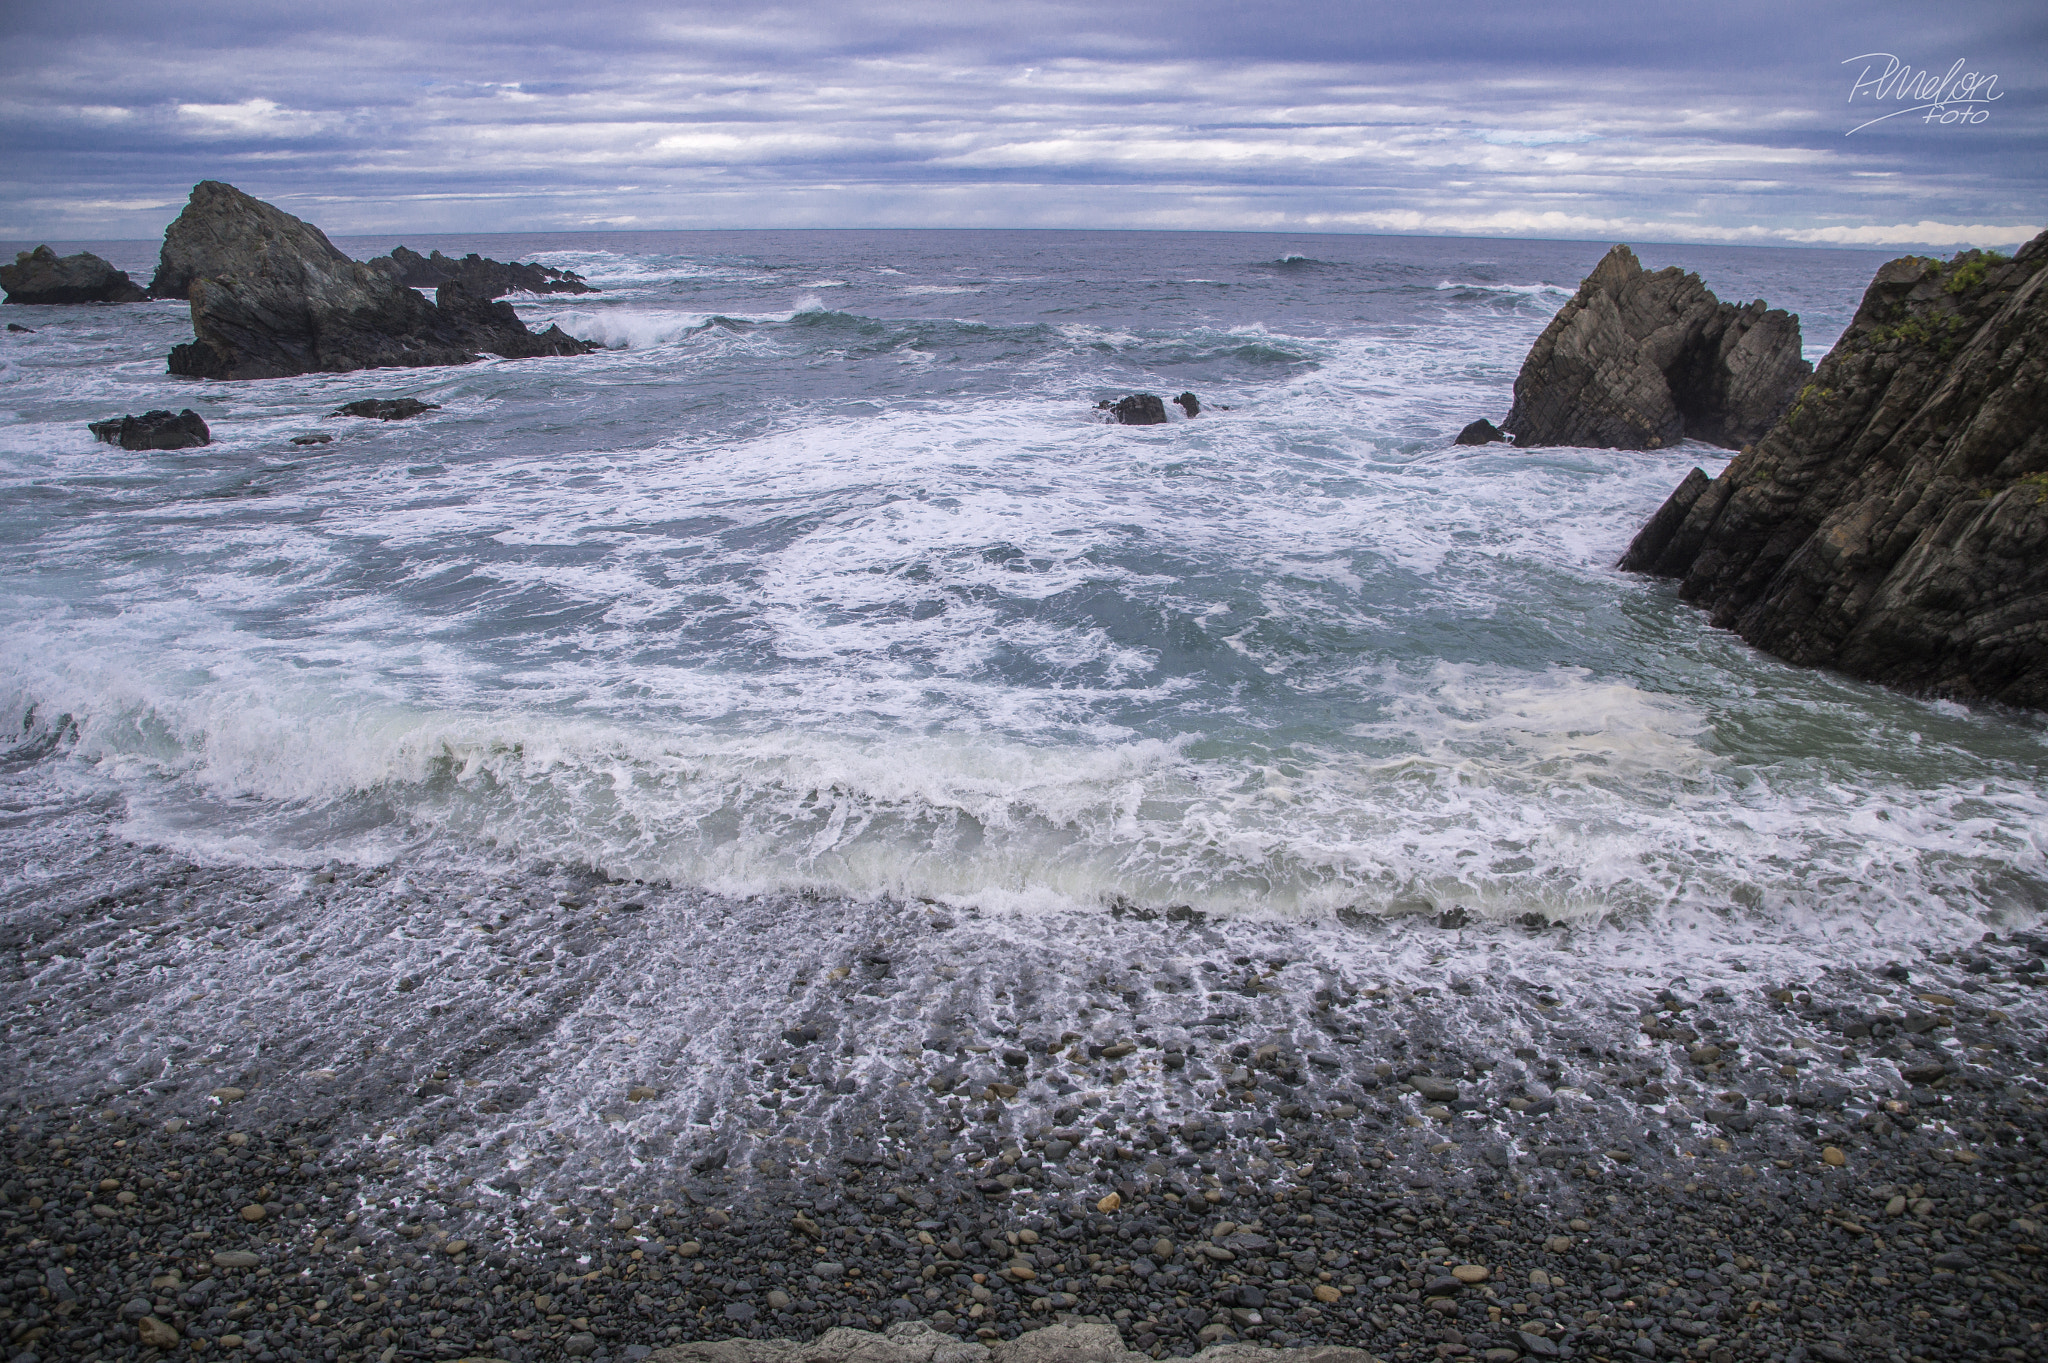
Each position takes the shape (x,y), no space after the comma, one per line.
(386,409)
(480,275)
(158,430)
(1189,403)
(1481,432)
(916,1342)
(1639,361)
(271,296)
(43,276)
(1895,523)
(1139,409)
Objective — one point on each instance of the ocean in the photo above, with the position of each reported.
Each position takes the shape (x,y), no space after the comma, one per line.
(821,608)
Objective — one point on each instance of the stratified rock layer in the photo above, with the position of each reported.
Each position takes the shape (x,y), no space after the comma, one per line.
(43,276)
(271,296)
(1895,523)
(1641,361)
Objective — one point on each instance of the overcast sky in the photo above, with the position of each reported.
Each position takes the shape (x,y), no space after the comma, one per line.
(1710,122)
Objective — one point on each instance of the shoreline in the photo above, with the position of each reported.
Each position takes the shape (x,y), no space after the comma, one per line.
(447,1132)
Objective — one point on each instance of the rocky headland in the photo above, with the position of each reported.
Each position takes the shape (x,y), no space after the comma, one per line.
(482,276)
(1894,524)
(43,276)
(1640,361)
(271,297)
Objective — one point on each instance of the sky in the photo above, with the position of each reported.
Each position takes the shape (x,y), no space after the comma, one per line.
(1736,121)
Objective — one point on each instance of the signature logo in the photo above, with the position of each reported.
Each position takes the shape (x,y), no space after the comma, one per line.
(1955,96)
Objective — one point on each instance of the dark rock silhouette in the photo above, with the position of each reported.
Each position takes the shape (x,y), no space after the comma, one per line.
(1480,432)
(479,274)
(1895,523)
(158,430)
(1139,409)
(1640,361)
(43,276)
(386,409)
(271,296)
(1189,403)
(16,326)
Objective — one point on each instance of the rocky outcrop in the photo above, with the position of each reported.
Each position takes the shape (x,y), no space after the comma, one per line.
(481,275)
(1189,403)
(1641,361)
(1895,523)
(1139,409)
(1481,432)
(158,430)
(271,296)
(386,409)
(43,276)
(916,1342)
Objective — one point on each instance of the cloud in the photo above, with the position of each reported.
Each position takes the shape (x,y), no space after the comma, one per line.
(1598,120)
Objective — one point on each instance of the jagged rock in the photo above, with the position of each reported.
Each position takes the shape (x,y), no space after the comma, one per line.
(158,430)
(1139,409)
(916,1342)
(1639,361)
(479,274)
(1895,523)
(1480,432)
(43,276)
(1190,404)
(386,409)
(271,296)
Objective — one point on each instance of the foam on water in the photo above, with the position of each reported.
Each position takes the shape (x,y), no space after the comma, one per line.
(774,597)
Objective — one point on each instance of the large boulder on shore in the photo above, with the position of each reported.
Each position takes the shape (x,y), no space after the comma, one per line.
(481,275)
(1641,361)
(43,276)
(915,1341)
(1895,523)
(271,296)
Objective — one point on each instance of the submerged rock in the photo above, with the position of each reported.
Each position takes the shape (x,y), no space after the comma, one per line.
(271,296)
(1895,523)
(1640,361)
(1480,432)
(386,409)
(479,274)
(158,430)
(16,326)
(43,276)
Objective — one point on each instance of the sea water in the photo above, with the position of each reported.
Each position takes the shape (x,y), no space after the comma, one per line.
(824,584)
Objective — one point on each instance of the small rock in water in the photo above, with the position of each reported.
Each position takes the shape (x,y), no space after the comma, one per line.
(1480,432)
(320,439)
(1139,409)
(16,326)
(386,409)
(1190,404)
(157,430)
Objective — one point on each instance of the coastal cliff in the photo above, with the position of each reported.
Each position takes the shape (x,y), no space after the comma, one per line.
(1894,524)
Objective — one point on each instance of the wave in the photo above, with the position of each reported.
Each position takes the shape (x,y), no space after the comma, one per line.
(1520,290)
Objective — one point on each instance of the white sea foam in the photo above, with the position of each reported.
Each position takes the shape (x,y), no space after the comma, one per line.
(960,639)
